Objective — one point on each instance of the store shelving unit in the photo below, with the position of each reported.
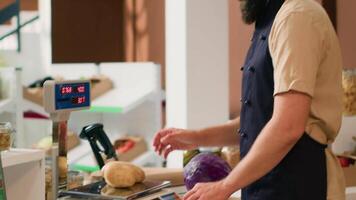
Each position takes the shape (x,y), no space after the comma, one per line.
(132,107)
(30,106)
(6,105)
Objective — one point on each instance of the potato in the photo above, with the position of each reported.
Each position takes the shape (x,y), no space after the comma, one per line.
(119,174)
(62,166)
(110,191)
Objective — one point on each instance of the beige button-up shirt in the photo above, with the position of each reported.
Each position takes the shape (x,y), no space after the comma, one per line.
(306,58)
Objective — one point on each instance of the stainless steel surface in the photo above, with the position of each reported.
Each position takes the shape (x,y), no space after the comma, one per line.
(94,191)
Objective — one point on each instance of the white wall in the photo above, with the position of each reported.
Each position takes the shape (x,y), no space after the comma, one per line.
(197,64)
(207,62)
(176,63)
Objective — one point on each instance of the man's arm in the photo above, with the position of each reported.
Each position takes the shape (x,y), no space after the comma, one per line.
(220,136)
(281,133)
(168,140)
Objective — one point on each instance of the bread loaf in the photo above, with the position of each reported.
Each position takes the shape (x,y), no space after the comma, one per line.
(119,174)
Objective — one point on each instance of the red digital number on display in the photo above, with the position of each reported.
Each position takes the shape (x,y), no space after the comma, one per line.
(81,89)
(66,90)
(81,100)
(78,100)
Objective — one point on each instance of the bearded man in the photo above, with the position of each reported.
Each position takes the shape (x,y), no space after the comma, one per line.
(291,110)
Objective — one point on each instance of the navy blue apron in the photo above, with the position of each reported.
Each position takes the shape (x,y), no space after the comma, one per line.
(301,175)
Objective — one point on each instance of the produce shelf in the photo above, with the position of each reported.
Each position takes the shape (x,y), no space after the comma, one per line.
(120,100)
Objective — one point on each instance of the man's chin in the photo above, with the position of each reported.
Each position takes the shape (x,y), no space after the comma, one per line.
(251,10)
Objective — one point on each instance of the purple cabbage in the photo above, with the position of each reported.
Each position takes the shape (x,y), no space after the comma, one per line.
(205,167)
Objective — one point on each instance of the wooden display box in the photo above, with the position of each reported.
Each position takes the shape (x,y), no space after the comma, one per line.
(138,149)
(174,175)
(350,175)
(72,142)
(99,86)
(34,95)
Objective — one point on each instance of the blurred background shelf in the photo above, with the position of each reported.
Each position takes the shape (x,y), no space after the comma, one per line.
(120,100)
(30,106)
(6,105)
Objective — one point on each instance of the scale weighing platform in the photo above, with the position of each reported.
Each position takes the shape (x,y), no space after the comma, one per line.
(60,99)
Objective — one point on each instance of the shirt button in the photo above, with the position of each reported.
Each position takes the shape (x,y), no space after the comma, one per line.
(247,102)
(251,69)
(263,37)
(243,135)
(242,68)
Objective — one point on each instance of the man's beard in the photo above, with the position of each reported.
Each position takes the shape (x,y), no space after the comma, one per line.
(252,9)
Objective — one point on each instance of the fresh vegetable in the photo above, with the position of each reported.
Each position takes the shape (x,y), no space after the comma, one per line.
(45,143)
(125,146)
(205,167)
(344,162)
(188,155)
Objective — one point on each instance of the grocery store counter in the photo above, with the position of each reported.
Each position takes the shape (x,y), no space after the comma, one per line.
(350,194)
(180,190)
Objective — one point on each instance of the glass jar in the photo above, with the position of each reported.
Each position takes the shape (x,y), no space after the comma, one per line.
(75,179)
(6,132)
(349,86)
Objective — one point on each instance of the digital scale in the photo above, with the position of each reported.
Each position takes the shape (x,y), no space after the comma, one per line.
(60,99)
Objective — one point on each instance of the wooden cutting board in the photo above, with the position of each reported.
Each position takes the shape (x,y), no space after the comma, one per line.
(165,174)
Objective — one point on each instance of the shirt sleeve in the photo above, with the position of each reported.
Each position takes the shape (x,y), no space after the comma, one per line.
(296,50)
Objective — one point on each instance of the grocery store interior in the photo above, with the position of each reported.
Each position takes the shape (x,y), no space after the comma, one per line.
(130,69)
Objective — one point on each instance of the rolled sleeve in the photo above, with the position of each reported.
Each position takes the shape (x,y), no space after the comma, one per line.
(296,49)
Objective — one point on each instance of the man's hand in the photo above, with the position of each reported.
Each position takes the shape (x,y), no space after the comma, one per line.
(168,140)
(209,191)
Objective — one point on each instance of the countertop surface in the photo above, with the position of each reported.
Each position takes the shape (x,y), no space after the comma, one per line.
(180,190)
(350,194)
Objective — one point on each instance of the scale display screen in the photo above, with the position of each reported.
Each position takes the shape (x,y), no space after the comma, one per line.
(72,95)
